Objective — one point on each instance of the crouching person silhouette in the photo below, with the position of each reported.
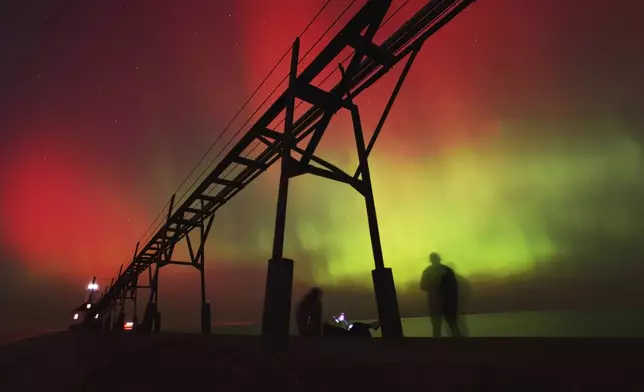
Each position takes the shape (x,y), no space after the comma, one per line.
(309,314)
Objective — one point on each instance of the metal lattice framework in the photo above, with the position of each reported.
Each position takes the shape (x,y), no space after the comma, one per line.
(295,146)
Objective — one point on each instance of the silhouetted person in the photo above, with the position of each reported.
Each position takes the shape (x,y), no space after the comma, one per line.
(441,286)
(309,314)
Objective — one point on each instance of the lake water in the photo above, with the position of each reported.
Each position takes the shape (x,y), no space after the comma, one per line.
(11,337)
(523,324)
(621,324)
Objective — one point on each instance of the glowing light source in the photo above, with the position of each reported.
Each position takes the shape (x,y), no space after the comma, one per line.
(92,287)
(89,306)
(75,316)
(96,316)
(128,326)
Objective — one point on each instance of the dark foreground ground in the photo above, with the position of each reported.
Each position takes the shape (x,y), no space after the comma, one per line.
(81,361)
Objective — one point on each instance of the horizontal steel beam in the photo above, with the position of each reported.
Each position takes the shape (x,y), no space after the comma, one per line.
(380,59)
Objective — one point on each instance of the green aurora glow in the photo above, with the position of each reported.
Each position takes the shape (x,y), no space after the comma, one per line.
(494,207)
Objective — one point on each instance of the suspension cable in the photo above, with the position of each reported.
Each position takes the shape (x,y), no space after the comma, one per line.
(258,143)
(264,102)
(334,70)
(242,127)
(393,14)
(326,4)
(235,165)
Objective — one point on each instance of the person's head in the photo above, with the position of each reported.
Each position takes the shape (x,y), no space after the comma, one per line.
(434,258)
(315,293)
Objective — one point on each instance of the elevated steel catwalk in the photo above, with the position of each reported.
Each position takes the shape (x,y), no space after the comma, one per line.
(216,190)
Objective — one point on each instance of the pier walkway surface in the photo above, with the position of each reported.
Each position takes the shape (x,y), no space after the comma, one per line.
(85,361)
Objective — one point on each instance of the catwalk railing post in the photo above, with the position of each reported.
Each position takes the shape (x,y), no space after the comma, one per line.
(279,277)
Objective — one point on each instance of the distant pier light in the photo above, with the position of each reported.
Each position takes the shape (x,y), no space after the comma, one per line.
(89,306)
(75,316)
(92,287)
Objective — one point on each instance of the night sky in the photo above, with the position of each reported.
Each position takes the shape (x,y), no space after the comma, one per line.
(514,150)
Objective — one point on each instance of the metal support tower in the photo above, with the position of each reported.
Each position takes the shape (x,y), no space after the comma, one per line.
(369,63)
(152,316)
(279,279)
(280,271)
(129,292)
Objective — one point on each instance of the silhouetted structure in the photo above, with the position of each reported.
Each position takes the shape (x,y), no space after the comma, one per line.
(263,145)
(440,284)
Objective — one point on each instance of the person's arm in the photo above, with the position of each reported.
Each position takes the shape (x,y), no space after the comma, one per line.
(424,282)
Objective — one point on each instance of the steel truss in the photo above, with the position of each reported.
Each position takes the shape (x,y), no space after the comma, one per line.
(114,309)
(369,63)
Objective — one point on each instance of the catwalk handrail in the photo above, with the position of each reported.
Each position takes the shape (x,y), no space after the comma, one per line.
(202,203)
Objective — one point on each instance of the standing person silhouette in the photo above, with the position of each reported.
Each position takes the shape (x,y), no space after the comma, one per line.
(309,314)
(440,285)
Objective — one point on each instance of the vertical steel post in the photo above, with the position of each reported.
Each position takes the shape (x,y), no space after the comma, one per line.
(107,322)
(287,140)
(279,277)
(384,285)
(120,303)
(383,281)
(135,294)
(372,218)
(168,255)
(135,288)
(152,309)
(206,321)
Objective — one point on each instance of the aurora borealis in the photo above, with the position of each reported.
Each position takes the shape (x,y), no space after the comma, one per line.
(514,150)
